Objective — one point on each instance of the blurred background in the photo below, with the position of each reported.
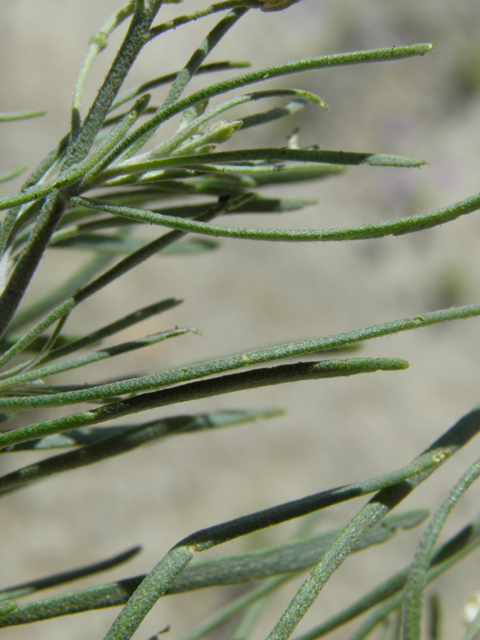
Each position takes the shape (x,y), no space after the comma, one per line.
(251,294)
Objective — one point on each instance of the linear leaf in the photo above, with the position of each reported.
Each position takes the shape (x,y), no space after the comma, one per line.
(162,427)
(258,356)
(67,576)
(101,444)
(375,510)
(119,246)
(254,599)
(58,295)
(20,115)
(196,124)
(290,557)
(357,57)
(71,345)
(182,393)
(11,175)
(398,227)
(40,343)
(268,155)
(379,534)
(218,179)
(166,79)
(184,19)
(257,204)
(152,587)
(78,171)
(89,358)
(271,115)
(185,75)
(391,592)
(115,272)
(417,577)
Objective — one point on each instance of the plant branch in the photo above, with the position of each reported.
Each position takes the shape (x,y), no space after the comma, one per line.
(27,264)
(136,37)
(128,263)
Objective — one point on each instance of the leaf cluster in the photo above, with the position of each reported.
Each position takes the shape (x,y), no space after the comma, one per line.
(89,193)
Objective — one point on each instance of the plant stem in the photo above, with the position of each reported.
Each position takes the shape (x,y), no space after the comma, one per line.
(30,257)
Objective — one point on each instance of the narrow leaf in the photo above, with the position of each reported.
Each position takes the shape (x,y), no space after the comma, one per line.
(152,587)
(67,576)
(243,156)
(20,115)
(417,578)
(117,593)
(41,306)
(113,328)
(182,393)
(374,55)
(11,175)
(157,428)
(166,79)
(89,358)
(397,227)
(101,444)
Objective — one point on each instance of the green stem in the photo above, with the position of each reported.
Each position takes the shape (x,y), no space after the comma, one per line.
(97,43)
(417,578)
(30,257)
(150,590)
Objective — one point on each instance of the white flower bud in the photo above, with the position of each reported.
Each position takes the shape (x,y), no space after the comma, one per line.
(471,608)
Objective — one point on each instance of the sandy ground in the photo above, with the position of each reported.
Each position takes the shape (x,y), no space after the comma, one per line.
(247,295)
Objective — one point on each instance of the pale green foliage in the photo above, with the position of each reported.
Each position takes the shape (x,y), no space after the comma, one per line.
(103,152)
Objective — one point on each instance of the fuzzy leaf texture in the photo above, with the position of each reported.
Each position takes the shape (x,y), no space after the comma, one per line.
(158,170)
